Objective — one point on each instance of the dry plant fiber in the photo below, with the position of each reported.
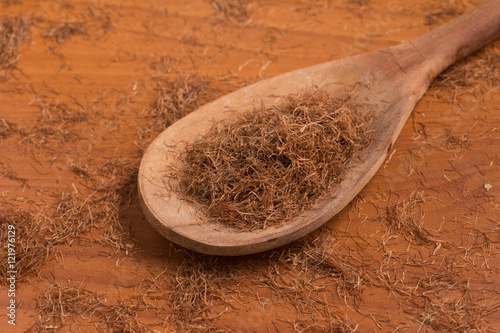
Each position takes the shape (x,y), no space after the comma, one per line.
(273,163)
(31,250)
(70,305)
(13,31)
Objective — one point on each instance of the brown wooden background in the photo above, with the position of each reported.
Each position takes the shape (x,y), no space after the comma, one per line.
(417,250)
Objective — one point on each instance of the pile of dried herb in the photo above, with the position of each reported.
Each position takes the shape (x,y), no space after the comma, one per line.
(64,31)
(13,31)
(273,163)
(27,233)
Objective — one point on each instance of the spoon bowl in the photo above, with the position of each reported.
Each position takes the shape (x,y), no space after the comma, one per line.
(386,84)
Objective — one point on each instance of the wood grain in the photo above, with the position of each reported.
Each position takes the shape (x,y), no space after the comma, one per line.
(442,171)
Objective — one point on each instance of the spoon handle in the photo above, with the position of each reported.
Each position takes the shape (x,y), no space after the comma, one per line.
(459,37)
(413,65)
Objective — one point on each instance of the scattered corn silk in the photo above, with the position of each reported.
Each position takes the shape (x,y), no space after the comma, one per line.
(24,232)
(13,31)
(271,164)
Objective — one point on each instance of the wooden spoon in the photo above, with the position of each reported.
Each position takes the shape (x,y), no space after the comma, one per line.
(390,80)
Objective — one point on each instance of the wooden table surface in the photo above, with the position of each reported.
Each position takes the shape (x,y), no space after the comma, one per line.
(92,82)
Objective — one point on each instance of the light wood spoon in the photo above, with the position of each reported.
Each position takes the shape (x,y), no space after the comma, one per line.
(389,81)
